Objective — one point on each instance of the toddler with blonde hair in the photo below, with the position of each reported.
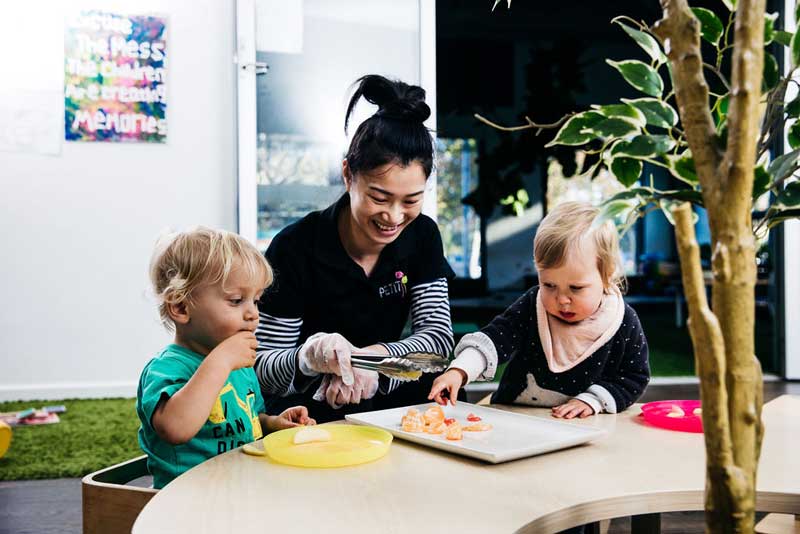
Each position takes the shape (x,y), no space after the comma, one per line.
(571,342)
(200,397)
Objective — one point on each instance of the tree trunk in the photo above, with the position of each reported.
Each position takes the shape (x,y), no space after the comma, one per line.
(730,376)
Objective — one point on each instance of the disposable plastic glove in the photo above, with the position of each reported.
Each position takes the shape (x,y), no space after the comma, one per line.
(337,393)
(326,353)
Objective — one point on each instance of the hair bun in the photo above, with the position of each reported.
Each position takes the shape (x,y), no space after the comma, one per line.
(395,99)
(410,110)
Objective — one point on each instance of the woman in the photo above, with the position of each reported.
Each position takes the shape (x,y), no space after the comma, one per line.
(348,276)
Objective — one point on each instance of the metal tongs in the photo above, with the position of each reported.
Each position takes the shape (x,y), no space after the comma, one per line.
(405,367)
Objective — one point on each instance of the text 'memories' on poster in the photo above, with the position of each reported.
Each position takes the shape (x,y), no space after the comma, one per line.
(115,78)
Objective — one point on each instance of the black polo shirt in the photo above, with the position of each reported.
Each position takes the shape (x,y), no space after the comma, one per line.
(317,281)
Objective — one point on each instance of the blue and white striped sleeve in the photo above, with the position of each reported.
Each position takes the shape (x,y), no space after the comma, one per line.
(276,356)
(431,328)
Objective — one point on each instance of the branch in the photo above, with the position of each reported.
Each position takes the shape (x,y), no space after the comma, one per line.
(680,31)
(707,340)
(744,115)
(719,74)
(528,126)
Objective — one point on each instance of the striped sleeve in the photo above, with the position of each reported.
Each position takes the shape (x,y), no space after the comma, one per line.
(276,356)
(431,328)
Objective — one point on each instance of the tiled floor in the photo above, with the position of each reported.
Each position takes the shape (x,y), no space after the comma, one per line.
(54,506)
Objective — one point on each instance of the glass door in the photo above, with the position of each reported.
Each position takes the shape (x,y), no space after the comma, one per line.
(297,60)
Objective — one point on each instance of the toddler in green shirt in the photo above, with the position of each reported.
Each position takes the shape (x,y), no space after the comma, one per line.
(200,396)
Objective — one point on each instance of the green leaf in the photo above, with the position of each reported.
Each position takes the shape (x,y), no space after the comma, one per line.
(771,73)
(783,215)
(498,1)
(625,111)
(761,181)
(615,127)
(682,167)
(612,209)
(793,135)
(792,109)
(646,41)
(795,45)
(721,107)
(782,37)
(640,75)
(710,26)
(643,146)
(769,27)
(684,195)
(577,130)
(730,4)
(656,112)
(790,195)
(626,170)
(784,165)
(636,192)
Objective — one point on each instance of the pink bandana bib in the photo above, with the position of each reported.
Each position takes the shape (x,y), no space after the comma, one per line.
(566,344)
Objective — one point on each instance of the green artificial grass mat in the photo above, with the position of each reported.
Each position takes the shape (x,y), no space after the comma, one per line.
(92,434)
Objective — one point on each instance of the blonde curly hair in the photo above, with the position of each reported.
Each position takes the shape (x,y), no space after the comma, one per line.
(184,261)
(564,228)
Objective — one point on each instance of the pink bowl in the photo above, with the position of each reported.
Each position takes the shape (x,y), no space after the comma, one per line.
(655,413)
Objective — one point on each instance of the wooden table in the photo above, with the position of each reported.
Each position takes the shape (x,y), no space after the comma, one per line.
(637,470)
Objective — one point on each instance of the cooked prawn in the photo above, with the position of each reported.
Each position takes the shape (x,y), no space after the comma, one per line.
(433,415)
(436,428)
(412,421)
(477,427)
(454,432)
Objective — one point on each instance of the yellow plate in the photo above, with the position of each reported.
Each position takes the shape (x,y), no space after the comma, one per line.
(351,445)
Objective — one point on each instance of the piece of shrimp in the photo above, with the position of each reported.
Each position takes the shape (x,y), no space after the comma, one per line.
(433,415)
(436,428)
(477,427)
(412,423)
(454,432)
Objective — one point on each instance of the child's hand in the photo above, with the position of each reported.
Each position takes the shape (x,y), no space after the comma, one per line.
(448,383)
(237,351)
(291,417)
(573,408)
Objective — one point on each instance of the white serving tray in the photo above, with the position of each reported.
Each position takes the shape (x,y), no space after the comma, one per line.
(513,435)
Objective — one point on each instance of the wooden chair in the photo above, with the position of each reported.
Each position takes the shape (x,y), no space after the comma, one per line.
(109,505)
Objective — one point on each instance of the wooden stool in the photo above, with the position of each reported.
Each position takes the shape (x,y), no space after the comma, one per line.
(109,506)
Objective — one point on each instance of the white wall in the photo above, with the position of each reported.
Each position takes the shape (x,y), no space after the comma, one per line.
(77,229)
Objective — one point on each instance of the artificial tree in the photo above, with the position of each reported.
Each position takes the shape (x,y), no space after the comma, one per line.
(717,146)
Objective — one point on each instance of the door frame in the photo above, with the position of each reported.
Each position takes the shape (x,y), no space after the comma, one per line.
(246,107)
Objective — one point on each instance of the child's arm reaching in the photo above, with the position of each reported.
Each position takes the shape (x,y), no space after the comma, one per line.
(178,418)
(478,354)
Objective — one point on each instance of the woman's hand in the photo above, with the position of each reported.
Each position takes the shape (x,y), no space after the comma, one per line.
(573,408)
(327,353)
(337,393)
(448,384)
(291,417)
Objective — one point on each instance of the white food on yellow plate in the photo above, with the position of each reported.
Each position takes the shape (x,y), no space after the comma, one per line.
(310,435)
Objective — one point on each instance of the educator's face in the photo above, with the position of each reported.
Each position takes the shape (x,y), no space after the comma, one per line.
(384,200)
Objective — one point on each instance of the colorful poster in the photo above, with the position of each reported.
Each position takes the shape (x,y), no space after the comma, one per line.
(115,78)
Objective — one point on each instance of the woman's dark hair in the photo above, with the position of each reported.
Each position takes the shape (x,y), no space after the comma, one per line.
(395,133)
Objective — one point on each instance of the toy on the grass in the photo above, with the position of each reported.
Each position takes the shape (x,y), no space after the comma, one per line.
(5,438)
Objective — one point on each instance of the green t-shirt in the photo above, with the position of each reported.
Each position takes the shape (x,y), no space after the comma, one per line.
(232,422)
